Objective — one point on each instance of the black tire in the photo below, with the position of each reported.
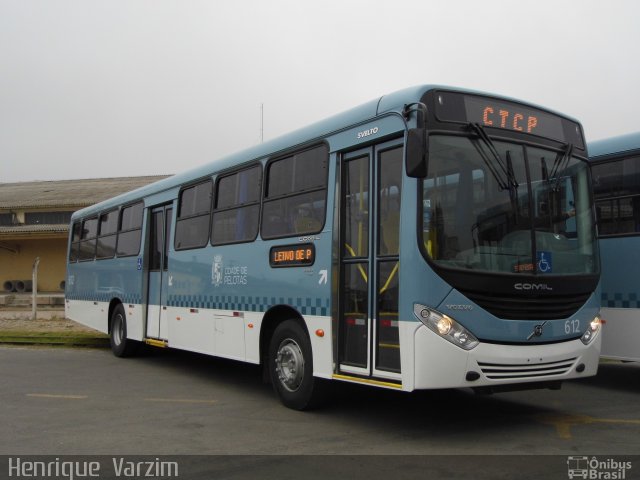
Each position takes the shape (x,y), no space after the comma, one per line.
(291,367)
(121,346)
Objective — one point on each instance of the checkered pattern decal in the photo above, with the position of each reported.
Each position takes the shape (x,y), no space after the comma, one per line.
(306,306)
(242,303)
(105,297)
(620,300)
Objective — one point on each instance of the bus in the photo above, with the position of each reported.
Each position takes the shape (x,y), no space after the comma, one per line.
(431,238)
(616,184)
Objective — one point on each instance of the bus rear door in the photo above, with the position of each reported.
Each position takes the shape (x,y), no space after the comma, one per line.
(158,263)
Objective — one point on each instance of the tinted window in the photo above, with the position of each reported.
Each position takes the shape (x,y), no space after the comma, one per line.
(131,217)
(295,197)
(237,208)
(87,247)
(129,231)
(106,247)
(75,241)
(108,223)
(192,224)
(195,200)
(616,187)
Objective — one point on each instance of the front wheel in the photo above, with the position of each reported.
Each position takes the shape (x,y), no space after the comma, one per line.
(291,367)
(121,346)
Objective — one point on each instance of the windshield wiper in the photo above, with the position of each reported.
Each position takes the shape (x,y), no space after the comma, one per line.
(513,189)
(503,174)
(560,165)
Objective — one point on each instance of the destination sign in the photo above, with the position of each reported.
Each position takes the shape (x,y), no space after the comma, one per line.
(492,113)
(507,115)
(292,255)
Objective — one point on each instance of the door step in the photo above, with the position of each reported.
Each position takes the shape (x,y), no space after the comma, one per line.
(156,343)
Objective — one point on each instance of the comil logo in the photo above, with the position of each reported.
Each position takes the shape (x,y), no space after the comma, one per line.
(597,469)
(533,287)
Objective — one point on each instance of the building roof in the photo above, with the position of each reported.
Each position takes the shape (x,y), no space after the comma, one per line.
(32,231)
(72,194)
(39,228)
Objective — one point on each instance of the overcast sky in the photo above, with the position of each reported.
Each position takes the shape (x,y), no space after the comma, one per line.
(121,88)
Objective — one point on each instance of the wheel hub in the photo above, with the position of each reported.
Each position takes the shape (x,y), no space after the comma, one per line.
(118,330)
(290,365)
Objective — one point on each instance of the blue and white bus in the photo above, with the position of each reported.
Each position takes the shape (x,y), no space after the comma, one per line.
(616,185)
(431,238)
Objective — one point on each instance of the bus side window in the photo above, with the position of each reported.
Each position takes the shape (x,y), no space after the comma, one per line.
(617,197)
(237,207)
(129,230)
(75,242)
(88,239)
(107,230)
(295,194)
(192,224)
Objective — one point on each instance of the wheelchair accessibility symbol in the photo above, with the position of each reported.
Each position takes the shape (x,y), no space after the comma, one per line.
(544,262)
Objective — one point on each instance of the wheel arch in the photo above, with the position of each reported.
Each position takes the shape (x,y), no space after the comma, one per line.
(112,306)
(272,318)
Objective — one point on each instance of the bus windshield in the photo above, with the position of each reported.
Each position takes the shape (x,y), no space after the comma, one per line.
(505,207)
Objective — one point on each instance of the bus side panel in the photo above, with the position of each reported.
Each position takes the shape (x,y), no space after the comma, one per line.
(320,335)
(135,321)
(620,300)
(89,313)
(621,333)
(191,330)
(92,285)
(218,297)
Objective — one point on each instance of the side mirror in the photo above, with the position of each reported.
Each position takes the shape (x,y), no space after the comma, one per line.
(416,152)
(417,148)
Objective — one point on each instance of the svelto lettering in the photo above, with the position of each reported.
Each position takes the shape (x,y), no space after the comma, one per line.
(368,133)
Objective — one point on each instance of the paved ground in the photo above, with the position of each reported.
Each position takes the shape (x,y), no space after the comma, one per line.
(85,401)
(62,401)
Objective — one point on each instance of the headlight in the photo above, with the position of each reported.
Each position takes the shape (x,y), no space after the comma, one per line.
(445,326)
(592,330)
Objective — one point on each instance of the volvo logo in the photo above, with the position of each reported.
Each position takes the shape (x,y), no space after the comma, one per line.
(459,307)
(533,287)
(537,331)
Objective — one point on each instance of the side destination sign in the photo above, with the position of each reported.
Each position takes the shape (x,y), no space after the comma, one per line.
(292,255)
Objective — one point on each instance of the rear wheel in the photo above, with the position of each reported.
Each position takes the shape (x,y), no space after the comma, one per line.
(121,346)
(291,367)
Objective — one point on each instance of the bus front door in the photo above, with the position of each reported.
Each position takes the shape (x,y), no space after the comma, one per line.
(158,262)
(368,334)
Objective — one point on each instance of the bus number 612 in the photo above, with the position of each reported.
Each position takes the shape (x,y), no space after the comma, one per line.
(572,326)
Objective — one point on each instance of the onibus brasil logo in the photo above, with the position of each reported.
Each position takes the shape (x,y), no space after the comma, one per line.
(593,468)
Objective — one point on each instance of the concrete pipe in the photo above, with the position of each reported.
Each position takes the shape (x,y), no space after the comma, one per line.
(9,286)
(23,286)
